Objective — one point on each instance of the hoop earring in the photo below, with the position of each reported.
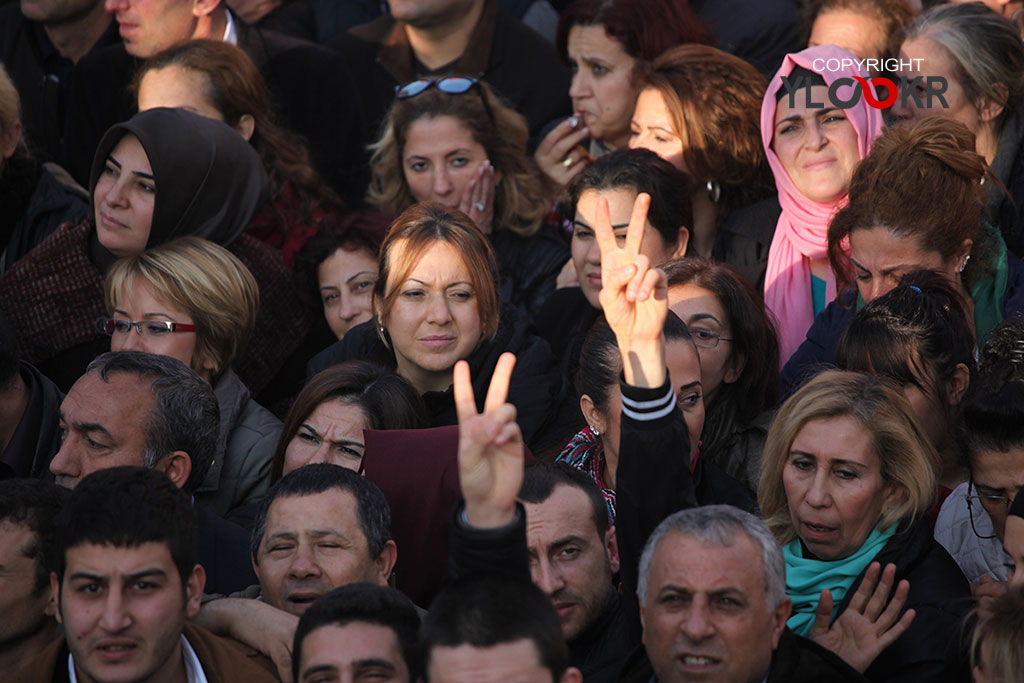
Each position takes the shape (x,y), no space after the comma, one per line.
(714,191)
(964,264)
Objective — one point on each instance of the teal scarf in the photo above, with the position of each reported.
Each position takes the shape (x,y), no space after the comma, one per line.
(806,577)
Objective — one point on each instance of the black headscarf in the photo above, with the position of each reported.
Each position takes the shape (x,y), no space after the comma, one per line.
(209,180)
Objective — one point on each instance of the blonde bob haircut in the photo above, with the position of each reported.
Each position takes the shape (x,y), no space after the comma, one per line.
(415,231)
(203,279)
(520,198)
(909,462)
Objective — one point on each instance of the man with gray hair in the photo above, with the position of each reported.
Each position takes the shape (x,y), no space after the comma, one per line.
(712,592)
(133,408)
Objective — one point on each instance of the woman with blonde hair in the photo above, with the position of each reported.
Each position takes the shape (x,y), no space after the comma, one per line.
(193,300)
(452,141)
(847,480)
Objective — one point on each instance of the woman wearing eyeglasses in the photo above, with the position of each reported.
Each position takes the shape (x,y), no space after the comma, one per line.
(972,524)
(847,480)
(193,300)
(451,141)
(739,361)
(164,173)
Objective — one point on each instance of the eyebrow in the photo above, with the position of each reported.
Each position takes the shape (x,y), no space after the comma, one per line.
(362,272)
(139,174)
(615,226)
(155,315)
(338,442)
(568,540)
(448,286)
(890,269)
(85,426)
(836,461)
(800,117)
(691,385)
(697,317)
(134,576)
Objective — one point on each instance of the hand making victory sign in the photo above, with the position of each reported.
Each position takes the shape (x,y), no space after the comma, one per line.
(634,295)
(491,451)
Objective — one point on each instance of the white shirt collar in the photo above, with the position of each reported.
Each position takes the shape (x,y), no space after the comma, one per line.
(230,31)
(193,667)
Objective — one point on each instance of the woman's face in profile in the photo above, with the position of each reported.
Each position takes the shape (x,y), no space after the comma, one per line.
(817,146)
(123,199)
(652,128)
(834,486)
(332,433)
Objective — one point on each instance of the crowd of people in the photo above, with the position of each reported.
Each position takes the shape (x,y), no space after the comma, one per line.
(512,340)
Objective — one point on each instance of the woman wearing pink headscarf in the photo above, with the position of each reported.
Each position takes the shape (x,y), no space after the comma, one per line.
(812,151)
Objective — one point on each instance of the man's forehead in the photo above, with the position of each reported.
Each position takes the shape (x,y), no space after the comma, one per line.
(333,508)
(113,560)
(686,561)
(91,394)
(567,511)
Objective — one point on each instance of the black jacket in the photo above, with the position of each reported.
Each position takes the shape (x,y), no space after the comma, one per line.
(528,267)
(535,387)
(36,439)
(514,60)
(224,553)
(311,89)
(795,660)
(744,238)
(43,78)
(939,594)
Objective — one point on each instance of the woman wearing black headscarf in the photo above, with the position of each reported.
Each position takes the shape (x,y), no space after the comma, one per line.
(163,174)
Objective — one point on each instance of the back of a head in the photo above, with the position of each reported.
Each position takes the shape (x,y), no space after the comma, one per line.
(993,409)
(920,330)
(997,644)
(387,400)
(644,29)
(939,204)
(983,48)
(362,603)
(35,505)
(891,17)
(718,525)
(187,417)
(201,278)
(641,170)
(209,181)
(125,507)
(371,506)
(487,611)
(1002,357)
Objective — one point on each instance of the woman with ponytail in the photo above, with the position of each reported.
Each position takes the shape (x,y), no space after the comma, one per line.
(916,202)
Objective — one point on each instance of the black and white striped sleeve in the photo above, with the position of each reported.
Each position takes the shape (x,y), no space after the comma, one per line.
(648,406)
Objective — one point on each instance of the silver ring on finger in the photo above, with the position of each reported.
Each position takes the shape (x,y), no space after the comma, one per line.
(480,206)
(567,162)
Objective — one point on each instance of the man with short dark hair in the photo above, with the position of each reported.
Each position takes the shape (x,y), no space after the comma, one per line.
(133,408)
(357,632)
(28,526)
(127,579)
(484,629)
(319,527)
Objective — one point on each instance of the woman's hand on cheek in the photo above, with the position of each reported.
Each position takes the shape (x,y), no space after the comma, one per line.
(478,198)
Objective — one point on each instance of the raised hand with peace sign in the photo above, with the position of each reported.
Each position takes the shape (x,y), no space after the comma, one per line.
(634,295)
(491,447)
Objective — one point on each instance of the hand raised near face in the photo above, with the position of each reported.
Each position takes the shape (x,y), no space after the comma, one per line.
(477,199)
(491,451)
(560,155)
(634,295)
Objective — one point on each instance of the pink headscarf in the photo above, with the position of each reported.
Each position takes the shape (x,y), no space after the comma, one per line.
(802,231)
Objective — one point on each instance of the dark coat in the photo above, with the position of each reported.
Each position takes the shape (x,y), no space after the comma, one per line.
(795,660)
(939,594)
(36,439)
(528,267)
(43,78)
(311,89)
(535,387)
(514,60)
(225,554)
(222,659)
(744,238)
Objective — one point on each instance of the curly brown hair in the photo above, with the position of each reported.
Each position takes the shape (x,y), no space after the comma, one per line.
(520,198)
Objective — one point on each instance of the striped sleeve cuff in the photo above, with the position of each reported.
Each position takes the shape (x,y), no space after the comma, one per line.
(648,405)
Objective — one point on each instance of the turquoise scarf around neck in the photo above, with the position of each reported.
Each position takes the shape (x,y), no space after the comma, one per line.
(806,577)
